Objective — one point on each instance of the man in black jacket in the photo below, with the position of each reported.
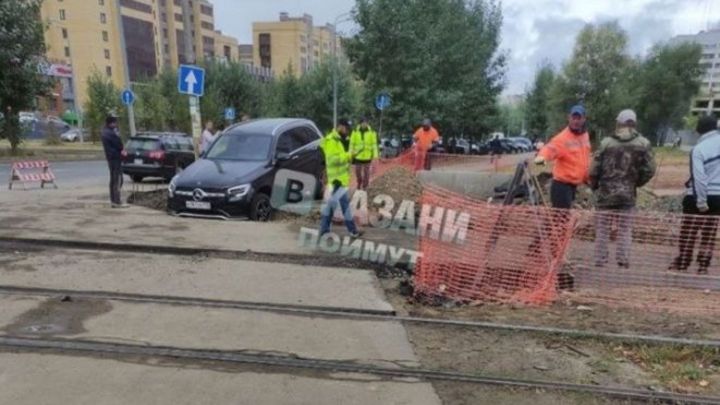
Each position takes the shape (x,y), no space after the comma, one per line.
(113,151)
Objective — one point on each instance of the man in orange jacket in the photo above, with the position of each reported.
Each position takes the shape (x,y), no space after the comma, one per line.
(570,150)
(424,139)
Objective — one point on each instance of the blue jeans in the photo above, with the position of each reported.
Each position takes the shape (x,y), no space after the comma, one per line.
(339,196)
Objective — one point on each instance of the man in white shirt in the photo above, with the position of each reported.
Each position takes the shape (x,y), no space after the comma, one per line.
(207,137)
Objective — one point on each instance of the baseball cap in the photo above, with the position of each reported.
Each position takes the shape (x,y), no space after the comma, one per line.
(626,115)
(344,122)
(426,121)
(577,110)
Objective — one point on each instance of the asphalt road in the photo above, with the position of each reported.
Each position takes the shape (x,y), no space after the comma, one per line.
(69,174)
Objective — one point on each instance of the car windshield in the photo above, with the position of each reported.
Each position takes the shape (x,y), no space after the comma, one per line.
(253,147)
(143,144)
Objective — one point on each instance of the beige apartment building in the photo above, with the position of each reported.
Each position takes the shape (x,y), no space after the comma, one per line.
(89,35)
(708,99)
(292,44)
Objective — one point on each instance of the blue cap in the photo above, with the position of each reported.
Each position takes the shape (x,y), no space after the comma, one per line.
(577,110)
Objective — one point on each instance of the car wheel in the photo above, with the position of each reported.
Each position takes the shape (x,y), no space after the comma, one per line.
(137,179)
(260,208)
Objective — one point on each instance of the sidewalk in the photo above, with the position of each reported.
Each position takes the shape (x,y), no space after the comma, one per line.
(84,214)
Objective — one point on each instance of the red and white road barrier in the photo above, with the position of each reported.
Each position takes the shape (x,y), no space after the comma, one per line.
(45,176)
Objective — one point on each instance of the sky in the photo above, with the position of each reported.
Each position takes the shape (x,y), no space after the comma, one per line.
(533,30)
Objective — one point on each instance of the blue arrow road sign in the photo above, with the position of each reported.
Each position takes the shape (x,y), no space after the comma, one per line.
(128,97)
(191,80)
(229,114)
(382,101)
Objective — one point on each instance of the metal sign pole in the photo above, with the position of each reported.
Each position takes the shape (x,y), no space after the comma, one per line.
(196,122)
(380,126)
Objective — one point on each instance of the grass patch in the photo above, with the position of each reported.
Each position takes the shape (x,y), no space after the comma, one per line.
(665,155)
(679,368)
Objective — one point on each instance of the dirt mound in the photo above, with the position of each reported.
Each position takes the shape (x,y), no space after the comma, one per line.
(156,199)
(398,183)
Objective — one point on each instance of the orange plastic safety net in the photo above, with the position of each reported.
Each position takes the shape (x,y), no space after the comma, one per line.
(509,253)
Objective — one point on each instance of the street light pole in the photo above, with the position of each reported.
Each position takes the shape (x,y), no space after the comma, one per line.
(123,50)
(340,18)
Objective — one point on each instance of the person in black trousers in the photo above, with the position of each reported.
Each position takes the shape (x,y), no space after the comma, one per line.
(701,205)
(112,144)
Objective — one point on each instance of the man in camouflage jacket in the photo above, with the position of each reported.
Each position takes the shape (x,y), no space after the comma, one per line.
(623,163)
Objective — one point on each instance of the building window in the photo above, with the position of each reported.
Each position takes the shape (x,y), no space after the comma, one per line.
(62,15)
(167,48)
(101,2)
(207,25)
(265,50)
(105,36)
(165,33)
(67,51)
(227,52)
(207,10)
(64,33)
(107,54)
(108,70)
(103,18)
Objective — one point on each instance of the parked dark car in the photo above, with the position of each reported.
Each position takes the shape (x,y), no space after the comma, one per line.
(157,154)
(235,177)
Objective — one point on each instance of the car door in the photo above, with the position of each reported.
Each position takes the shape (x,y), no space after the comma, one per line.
(297,144)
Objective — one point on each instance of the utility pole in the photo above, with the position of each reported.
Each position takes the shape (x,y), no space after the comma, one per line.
(191,59)
(123,49)
(340,18)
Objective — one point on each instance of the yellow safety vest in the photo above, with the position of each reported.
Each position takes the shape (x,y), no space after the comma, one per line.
(364,146)
(337,159)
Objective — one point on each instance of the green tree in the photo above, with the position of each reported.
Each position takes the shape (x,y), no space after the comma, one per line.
(537,102)
(287,96)
(511,119)
(444,64)
(317,89)
(151,107)
(595,76)
(23,46)
(178,115)
(667,81)
(103,100)
(228,84)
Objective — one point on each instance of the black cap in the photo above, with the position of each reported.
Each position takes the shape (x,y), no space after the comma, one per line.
(706,124)
(344,122)
(110,119)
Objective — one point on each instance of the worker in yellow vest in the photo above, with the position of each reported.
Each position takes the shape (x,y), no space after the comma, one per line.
(364,146)
(336,148)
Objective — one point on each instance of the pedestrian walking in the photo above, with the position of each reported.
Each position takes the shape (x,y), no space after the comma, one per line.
(495,149)
(208,137)
(624,163)
(112,144)
(424,139)
(701,204)
(338,159)
(570,150)
(364,148)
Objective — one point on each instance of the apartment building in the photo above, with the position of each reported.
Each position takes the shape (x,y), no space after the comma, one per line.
(708,100)
(97,35)
(292,44)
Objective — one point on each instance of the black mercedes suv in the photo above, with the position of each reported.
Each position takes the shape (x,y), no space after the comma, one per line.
(235,177)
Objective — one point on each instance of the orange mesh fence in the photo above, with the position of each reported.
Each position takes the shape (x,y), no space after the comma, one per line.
(652,260)
(508,254)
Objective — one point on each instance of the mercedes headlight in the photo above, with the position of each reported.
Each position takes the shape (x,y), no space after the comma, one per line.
(172,186)
(238,192)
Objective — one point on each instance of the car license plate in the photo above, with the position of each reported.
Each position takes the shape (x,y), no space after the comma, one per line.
(197,205)
(138,161)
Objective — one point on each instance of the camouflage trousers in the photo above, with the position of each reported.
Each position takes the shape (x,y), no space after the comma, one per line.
(604,219)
